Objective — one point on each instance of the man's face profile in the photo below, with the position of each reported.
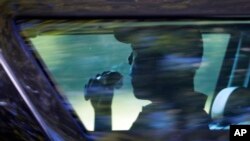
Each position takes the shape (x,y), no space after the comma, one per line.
(162,59)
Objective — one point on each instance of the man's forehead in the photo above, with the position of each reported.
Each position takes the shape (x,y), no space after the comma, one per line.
(177,47)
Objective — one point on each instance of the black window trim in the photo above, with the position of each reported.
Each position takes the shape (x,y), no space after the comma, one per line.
(24,96)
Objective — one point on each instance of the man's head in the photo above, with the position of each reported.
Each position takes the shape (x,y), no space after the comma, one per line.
(164,59)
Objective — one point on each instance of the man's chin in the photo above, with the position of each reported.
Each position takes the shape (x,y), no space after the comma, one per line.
(142,94)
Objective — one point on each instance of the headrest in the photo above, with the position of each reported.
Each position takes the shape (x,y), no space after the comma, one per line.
(220,102)
(231,102)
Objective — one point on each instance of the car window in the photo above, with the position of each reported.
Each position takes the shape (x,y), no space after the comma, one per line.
(122,74)
(90,50)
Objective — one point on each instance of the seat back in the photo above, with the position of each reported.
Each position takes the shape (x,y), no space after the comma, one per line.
(232,105)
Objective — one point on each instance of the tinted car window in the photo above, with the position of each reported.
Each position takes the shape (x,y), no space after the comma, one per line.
(134,75)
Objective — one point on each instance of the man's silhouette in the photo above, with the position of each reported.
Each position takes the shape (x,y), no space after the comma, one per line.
(163,65)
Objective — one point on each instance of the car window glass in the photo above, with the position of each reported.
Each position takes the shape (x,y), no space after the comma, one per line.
(148,55)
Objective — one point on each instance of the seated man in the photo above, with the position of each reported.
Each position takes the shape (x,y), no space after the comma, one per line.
(163,65)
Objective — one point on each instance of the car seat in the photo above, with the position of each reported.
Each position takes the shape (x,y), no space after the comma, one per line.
(231,106)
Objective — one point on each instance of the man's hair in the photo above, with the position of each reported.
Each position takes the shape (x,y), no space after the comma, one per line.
(163,39)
